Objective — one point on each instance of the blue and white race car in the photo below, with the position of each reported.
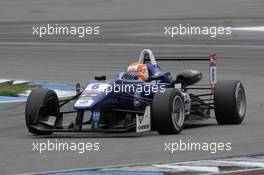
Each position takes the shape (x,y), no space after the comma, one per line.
(142,99)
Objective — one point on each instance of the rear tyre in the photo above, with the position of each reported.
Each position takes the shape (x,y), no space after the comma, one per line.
(168,111)
(229,102)
(41,104)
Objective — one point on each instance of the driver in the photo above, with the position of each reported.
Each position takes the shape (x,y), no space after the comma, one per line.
(140,71)
(145,72)
(136,71)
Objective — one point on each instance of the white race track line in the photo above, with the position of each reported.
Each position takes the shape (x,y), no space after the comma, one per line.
(255,28)
(134,44)
(190,168)
(243,163)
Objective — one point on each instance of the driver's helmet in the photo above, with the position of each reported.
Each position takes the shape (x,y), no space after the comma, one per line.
(140,70)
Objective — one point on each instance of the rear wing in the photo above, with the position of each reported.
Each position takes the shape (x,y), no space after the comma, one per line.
(211,59)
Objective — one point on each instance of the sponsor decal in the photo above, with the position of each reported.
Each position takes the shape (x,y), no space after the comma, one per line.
(81,103)
(140,118)
(177,86)
(85,100)
(96,118)
(143,121)
(213,75)
(136,97)
(212,65)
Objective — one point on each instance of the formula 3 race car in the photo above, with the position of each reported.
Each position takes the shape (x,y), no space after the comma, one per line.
(161,103)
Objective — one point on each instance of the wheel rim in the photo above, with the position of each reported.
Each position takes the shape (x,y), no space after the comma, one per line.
(240,101)
(178,112)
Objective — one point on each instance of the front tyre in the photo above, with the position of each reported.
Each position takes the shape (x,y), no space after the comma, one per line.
(168,111)
(229,102)
(41,104)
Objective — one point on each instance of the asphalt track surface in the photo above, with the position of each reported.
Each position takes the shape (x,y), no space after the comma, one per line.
(127,27)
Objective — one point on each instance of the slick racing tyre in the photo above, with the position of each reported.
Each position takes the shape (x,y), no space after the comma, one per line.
(41,104)
(229,102)
(168,111)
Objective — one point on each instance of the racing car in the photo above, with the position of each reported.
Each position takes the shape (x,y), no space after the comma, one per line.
(161,103)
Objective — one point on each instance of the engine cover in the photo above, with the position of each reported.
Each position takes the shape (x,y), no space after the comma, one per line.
(189,77)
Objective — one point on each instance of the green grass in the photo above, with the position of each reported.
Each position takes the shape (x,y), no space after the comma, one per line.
(14,90)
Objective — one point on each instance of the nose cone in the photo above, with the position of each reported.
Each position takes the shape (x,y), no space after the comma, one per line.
(93,94)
